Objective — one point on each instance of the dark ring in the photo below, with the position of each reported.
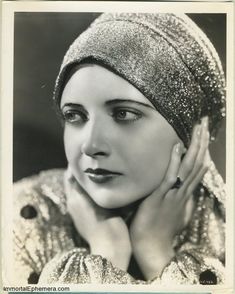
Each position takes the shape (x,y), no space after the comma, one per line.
(178,183)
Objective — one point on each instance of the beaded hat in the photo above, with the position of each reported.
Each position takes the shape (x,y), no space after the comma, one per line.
(165,56)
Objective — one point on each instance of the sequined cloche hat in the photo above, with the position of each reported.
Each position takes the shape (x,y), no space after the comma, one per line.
(166,56)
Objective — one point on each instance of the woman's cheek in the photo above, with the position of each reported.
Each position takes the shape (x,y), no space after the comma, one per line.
(70,145)
(155,162)
(155,169)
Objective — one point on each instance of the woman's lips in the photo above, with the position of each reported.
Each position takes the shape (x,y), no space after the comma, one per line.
(100,176)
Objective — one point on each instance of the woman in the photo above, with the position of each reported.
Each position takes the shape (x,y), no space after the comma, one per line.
(141,201)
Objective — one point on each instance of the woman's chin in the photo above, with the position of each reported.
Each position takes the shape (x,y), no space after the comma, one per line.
(108,202)
(116,203)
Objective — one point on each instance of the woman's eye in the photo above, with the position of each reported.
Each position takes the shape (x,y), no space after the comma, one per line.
(74,117)
(126,116)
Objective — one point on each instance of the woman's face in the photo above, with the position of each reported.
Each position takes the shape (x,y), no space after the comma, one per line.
(117,145)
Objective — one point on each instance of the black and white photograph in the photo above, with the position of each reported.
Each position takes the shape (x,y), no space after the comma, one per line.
(117,152)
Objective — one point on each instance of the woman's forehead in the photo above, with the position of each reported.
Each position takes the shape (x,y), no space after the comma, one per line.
(93,81)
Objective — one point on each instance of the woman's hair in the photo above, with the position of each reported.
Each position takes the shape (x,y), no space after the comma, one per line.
(166,56)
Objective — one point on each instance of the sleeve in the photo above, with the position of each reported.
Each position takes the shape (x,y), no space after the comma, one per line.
(77,266)
(193,267)
(197,261)
(40,231)
(44,250)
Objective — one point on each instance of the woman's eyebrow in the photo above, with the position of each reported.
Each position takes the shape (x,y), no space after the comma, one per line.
(118,101)
(76,105)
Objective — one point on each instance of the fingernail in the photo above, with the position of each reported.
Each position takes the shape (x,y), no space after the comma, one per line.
(178,148)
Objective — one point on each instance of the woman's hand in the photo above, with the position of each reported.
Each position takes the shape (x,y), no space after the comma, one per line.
(106,234)
(166,211)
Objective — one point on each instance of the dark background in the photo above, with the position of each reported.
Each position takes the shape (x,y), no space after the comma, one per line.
(40,42)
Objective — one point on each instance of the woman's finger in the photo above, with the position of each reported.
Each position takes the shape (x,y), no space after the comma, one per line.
(173,168)
(198,178)
(191,155)
(78,199)
(69,182)
(74,193)
(196,181)
(198,166)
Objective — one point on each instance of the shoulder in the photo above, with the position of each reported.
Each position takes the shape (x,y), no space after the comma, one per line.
(40,196)
(41,225)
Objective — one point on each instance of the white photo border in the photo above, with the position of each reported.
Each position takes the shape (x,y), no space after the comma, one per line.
(8,10)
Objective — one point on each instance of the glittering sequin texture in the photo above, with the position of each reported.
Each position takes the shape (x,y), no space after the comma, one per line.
(48,249)
(166,56)
(170,60)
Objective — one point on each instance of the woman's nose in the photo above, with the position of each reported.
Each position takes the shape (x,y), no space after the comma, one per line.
(95,142)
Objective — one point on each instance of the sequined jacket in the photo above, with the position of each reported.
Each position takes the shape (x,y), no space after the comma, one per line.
(48,249)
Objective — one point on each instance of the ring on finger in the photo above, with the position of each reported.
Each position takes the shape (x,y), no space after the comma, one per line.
(178,183)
